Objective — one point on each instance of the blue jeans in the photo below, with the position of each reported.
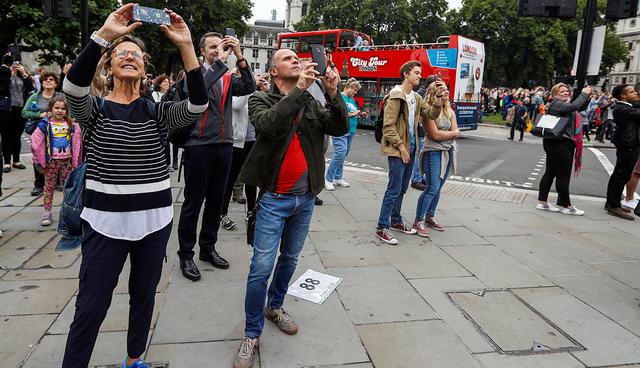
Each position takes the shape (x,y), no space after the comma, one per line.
(428,201)
(282,222)
(341,147)
(399,177)
(416,177)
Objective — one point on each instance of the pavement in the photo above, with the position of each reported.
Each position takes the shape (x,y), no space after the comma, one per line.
(504,286)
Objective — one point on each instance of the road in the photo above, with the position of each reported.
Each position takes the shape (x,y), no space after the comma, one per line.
(487,157)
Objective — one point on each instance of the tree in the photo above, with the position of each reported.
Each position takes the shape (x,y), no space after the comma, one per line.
(202,17)
(58,39)
(386,21)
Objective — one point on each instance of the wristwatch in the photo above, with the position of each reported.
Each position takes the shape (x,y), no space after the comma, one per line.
(100,41)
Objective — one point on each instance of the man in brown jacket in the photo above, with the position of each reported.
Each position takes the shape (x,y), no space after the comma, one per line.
(402,112)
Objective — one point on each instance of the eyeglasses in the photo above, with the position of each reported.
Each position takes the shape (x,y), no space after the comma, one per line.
(50,79)
(122,54)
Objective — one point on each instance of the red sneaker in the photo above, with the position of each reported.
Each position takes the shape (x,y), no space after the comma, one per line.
(421,229)
(433,224)
(385,236)
(403,228)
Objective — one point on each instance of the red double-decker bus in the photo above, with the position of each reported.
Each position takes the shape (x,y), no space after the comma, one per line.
(458,60)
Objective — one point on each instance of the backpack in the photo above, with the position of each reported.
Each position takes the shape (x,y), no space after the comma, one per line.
(380,121)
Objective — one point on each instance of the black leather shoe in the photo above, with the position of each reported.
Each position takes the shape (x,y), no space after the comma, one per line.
(318,201)
(189,269)
(214,258)
(418,185)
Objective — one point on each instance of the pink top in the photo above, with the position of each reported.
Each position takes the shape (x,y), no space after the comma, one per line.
(60,145)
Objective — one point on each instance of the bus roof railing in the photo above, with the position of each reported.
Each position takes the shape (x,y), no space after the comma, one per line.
(414,46)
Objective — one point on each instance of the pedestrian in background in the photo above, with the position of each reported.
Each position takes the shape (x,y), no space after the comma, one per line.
(627,142)
(127,212)
(208,153)
(57,149)
(287,164)
(36,109)
(402,111)
(161,86)
(437,158)
(342,145)
(17,82)
(561,153)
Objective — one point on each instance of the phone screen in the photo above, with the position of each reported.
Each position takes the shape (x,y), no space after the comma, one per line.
(230,32)
(150,15)
(318,56)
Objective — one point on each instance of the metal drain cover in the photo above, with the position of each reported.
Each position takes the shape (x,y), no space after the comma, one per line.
(511,325)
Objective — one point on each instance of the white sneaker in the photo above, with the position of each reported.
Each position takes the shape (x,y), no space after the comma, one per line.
(572,211)
(547,207)
(342,183)
(328,185)
(630,204)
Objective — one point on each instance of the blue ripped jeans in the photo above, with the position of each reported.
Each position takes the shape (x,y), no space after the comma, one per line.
(428,201)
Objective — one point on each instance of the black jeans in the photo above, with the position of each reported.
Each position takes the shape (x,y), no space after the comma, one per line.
(626,158)
(559,161)
(11,129)
(102,262)
(206,170)
(38,182)
(239,156)
(513,127)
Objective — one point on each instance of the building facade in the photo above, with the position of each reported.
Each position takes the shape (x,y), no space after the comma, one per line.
(259,43)
(627,72)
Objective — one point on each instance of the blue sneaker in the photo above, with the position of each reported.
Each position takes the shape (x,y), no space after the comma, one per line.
(137,364)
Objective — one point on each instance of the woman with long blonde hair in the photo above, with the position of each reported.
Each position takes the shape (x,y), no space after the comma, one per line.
(437,159)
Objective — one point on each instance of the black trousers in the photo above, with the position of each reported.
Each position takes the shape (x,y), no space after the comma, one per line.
(513,127)
(11,129)
(239,156)
(626,159)
(206,170)
(559,160)
(102,262)
(38,182)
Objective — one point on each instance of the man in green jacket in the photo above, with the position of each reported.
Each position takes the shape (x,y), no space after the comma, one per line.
(287,163)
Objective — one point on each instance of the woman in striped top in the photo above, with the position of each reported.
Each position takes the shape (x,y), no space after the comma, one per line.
(128,205)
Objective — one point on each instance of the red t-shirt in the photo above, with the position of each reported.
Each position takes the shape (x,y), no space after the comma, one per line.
(294,173)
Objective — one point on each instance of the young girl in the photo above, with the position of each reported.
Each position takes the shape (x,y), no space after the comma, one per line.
(56,147)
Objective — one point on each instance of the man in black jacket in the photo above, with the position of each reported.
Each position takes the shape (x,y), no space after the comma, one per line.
(627,142)
(287,164)
(208,152)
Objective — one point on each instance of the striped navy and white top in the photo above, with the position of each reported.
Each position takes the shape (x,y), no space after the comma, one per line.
(128,190)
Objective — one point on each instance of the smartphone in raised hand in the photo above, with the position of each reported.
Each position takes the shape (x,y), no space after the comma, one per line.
(318,56)
(148,15)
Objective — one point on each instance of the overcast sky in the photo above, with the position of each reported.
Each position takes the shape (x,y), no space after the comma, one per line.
(262,8)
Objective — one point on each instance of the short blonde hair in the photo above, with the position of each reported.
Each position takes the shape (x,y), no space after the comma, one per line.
(556,89)
(352,82)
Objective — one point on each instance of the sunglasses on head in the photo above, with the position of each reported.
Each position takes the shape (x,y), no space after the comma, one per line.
(122,54)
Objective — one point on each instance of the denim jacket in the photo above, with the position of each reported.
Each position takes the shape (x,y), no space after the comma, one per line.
(70,223)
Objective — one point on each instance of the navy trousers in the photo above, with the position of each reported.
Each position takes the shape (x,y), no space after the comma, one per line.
(102,262)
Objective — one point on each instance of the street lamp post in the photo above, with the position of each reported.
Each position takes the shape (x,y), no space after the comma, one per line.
(590,14)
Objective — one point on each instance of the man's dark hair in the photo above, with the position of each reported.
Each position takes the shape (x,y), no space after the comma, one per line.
(430,79)
(617,91)
(204,37)
(406,68)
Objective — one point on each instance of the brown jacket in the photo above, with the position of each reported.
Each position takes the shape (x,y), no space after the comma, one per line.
(395,129)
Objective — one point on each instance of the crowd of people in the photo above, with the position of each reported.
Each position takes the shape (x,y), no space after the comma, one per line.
(256,139)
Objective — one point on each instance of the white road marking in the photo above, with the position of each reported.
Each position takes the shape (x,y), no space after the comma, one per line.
(535,173)
(537,169)
(534,179)
(608,166)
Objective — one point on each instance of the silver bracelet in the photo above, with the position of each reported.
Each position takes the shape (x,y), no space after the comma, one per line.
(100,41)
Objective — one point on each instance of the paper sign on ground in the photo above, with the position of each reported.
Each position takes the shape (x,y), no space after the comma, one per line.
(314,286)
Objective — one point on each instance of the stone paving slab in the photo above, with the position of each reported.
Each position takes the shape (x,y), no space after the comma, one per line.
(117,318)
(35,297)
(495,268)
(579,246)
(109,350)
(606,342)
(19,334)
(348,249)
(620,243)
(559,360)
(627,273)
(204,354)
(332,218)
(50,258)
(452,236)
(379,294)
(363,209)
(610,297)
(423,261)
(423,344)
(44,273)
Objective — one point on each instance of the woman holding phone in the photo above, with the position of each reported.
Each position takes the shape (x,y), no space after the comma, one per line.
(128,205)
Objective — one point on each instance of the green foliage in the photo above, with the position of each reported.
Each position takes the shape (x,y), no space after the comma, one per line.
(58,39)
(386,21)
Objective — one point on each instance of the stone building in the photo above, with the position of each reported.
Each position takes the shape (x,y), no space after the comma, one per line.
(296,9)
(259,43)
(628,71)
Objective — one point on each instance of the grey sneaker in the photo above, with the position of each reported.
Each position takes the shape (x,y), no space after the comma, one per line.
(282,320)
(227,223)
(247,350)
